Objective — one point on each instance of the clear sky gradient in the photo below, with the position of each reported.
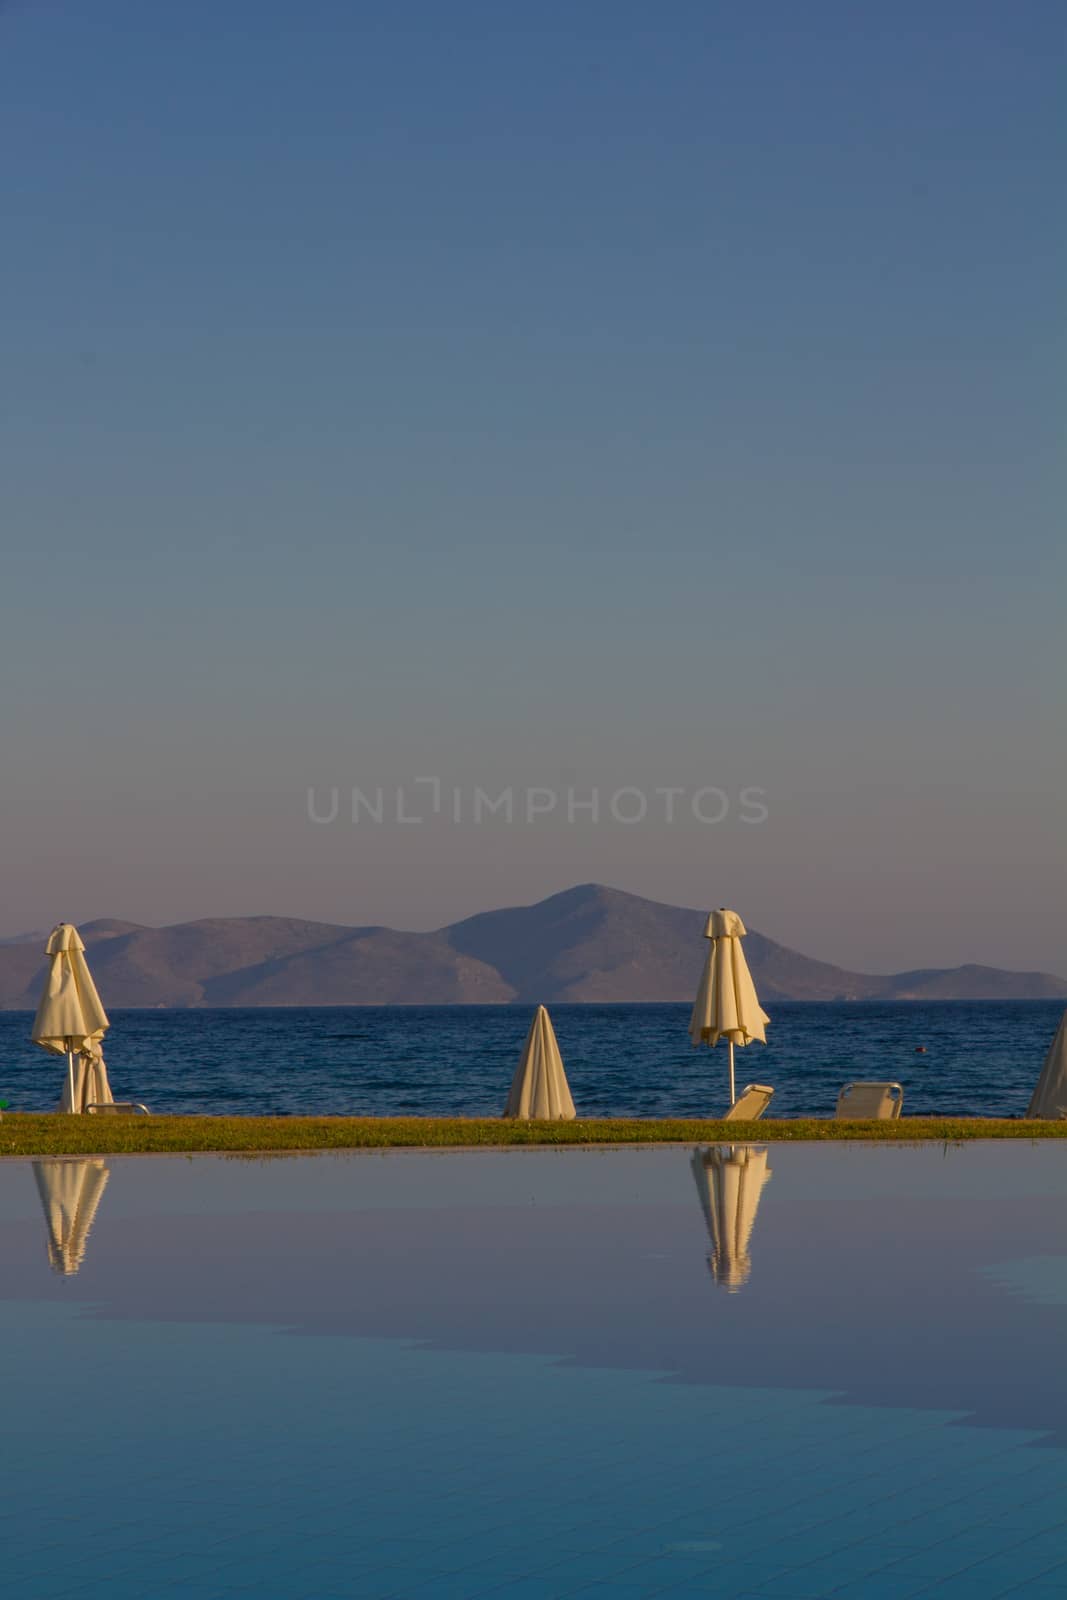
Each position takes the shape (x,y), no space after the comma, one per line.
(561,396)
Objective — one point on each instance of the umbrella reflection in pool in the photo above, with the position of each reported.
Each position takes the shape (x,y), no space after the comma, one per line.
(730,1181)
(70,1193)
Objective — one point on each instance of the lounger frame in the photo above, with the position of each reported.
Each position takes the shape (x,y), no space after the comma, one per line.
(751,1103)
(869,1102)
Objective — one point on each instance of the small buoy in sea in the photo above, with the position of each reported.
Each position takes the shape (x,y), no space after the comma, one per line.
(920,1049)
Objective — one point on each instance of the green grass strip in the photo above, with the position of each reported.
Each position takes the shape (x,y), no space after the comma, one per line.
(22,1134)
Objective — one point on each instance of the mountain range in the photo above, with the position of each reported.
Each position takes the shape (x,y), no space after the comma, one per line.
(589,944)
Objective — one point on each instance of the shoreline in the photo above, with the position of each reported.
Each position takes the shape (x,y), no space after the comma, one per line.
(25,1134)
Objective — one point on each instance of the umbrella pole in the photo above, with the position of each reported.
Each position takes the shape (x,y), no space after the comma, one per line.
(70,1076)
(733,1091)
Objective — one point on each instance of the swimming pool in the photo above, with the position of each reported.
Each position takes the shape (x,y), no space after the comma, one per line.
(815,1370)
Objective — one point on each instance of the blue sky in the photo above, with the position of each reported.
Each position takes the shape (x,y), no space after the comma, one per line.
(595,396)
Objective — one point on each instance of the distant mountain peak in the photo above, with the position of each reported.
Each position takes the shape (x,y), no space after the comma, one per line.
(109,928)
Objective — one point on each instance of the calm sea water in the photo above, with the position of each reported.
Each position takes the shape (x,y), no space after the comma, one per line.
(981,1058)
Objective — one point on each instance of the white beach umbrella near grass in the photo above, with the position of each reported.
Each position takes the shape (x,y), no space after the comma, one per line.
(70,1193)
(539,1088)
(1049,1099)
(730,1182)
(726,1005)
(72,1022)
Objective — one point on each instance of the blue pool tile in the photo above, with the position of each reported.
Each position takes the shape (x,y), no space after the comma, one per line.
(617,1589)
(204,1591)
(934,1526)
(563,1575)
(377,1586)
(974,1544)
(881,1586)
(970,1585)
(697,1589)
(1025,1563)
(934,1562)
(794,1586)
(49,1586)
(455,1586)
(130,1586)
(724,1577)
(534,1588)
(835,1540)
(818,1577)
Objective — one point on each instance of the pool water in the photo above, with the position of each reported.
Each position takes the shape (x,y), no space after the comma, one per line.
(795,1370)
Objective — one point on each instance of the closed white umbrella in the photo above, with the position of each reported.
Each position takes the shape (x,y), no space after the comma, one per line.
(539,1088)
(730,1182)
(726,1004)
(1049,1099)
(70,1193)
(71,1021)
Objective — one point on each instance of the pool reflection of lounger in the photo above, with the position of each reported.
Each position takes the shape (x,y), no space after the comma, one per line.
(70,1193)
(730,1180)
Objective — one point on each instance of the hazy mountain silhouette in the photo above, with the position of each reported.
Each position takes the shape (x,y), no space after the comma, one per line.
(586,944)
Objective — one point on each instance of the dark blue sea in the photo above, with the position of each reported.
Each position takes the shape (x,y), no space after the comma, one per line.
(981,1058)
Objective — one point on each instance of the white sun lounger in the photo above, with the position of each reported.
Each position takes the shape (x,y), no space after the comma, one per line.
(869,1102)
(118,1108)
(751,1103)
